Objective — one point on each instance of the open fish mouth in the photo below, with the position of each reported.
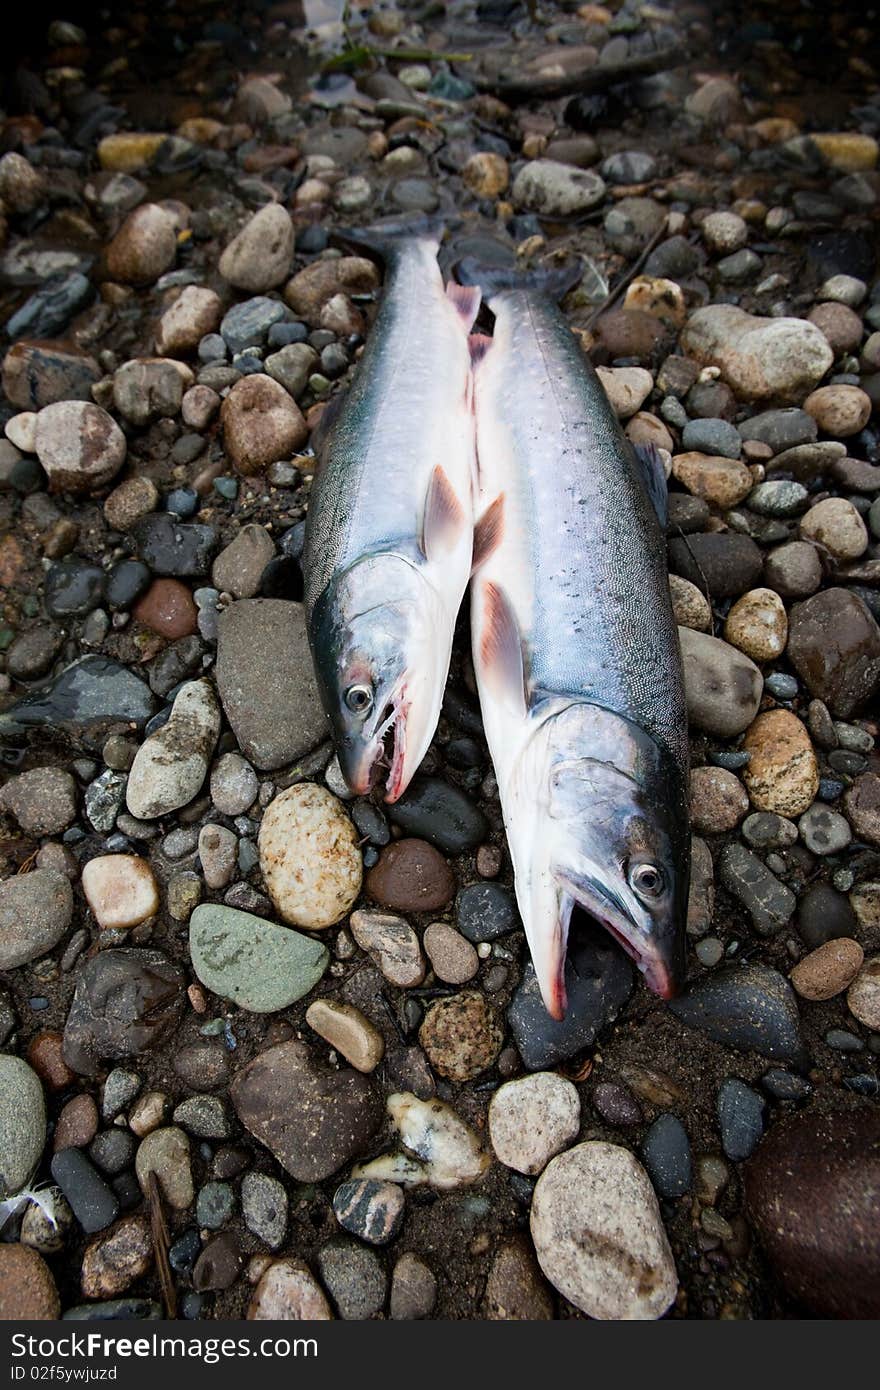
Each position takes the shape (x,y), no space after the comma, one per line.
(391,741)
(594,904)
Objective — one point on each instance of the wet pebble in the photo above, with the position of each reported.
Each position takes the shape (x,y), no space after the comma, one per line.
(666,1154)
(741,1112)
(372,1211)
(259,966)
(532,1119)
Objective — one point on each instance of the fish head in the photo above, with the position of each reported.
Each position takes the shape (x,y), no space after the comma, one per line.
(611,836)
(381,647)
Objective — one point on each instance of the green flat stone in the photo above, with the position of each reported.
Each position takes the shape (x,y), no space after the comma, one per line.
(254,963)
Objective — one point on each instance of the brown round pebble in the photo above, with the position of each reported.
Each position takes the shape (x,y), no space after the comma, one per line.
(261,424)
(839,324)
(411,876)
(27,1289)
(127,503)
(117,1258)
(168,609)
(452,955)
(461,1036)
(718,800)
(828,970)
(488,861)
(77,1124)
(44,1055)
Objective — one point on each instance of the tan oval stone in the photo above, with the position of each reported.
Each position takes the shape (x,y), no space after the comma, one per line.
(289,1292)
(839,410)
(486,174)
(835,524)
(828,970)
(645,428)
(349,1031)
(451,954)
(721,482)
(598,1234)
(782,774)
(309,856)
(627,388)
(689,604)
(758,625)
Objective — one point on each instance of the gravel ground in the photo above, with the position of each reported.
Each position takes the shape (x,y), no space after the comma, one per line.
(269,1051)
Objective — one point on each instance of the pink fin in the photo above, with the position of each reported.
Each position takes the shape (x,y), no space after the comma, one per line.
(501,649)
(465,299)
(444,516)
(479,344)
(488,532)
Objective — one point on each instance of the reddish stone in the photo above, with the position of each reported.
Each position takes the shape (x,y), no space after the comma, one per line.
(411,876)
(77,1124)
(167,608)
(44,1055)
(811,1190)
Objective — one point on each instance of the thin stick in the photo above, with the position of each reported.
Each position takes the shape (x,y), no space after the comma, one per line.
(159,1233)
(613,295)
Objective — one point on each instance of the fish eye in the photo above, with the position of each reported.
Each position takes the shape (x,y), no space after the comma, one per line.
(647,880)
(358,698)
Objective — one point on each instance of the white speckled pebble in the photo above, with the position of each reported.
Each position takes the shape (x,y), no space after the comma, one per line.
(532,1119)
(309,856)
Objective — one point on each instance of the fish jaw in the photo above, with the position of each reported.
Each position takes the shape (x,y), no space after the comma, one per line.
(661,967)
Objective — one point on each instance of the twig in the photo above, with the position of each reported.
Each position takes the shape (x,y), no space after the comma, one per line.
(159,1233)
(596,79)
(613,295)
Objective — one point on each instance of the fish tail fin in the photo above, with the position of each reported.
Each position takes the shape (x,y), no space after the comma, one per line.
(495,277)
(385,238)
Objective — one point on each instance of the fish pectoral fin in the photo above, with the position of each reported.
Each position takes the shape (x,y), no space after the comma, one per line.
(479,344)
(654,478)
(465,299)
(444,518)
(501,653)
(488,532)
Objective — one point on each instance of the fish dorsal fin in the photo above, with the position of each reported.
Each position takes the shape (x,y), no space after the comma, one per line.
(465,299)
(444,517)
(488,532)
(654,478)
(501,653)
(479,344)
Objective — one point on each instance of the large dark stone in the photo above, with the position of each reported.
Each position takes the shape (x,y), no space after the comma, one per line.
(834,645)
(598,981)
(312,1117)
(750,1007)
(811,1190)
(726,563)
(126,1001)
(433,810)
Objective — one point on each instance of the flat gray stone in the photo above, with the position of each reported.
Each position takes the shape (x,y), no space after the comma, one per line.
(266,682)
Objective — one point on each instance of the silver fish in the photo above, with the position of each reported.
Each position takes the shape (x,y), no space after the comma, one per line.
(575,648)
(390,523)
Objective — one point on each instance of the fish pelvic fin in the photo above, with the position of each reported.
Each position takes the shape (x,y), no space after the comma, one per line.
(465,299)
(501,652)
(444,517)
(488,532)
(479,344)
(654,478)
